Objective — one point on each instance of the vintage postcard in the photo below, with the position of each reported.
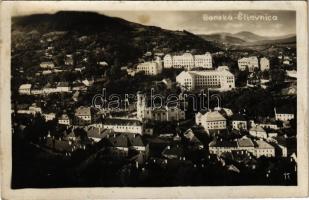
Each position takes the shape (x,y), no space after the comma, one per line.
(154,99)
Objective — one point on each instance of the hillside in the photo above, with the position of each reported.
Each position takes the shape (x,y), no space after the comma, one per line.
(116,36)
(224,38)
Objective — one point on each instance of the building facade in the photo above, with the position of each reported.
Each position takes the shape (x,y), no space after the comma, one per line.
(150,68)
(25,89)
(249,63)
(264,64)
(188,61)
(211,120)
(219,79)
(164,113)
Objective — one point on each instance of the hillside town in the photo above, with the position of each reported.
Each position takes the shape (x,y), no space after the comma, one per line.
(72,107)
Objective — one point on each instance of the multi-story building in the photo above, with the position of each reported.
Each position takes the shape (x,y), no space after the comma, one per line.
(121,125)
(69,60)
(188,61)
(151,67)
(284,114)
(211,120)
(25,89)
(204,61)
(164,113)
(258,131)
(63,87)
(49,116)
(264,64)
(48,64)
(239,122)
(263,148)
(248,62)
(83,115)
(64,120)
(258,148)
(219,79)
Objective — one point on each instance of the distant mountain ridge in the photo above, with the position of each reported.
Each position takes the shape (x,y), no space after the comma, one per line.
(248,38)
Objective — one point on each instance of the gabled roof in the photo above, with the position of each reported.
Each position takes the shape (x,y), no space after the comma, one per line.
(284,110)
(83,111)
(261,144)
(119,140)
(25,86)
(222,143)
(94,132)
(214,116)
(257,129)
(245,142)
(174,150)
(135,140)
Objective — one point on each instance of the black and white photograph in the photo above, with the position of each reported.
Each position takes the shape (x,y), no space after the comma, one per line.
(154,98)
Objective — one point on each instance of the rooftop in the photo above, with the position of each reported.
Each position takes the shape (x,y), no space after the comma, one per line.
(245,142)
(261,144)
(81,111)
(214,116)
(25,86)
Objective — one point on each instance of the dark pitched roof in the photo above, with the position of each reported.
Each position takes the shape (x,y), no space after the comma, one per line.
(239,117)
(285,110)
(222,143)
(119,140)
(135,140)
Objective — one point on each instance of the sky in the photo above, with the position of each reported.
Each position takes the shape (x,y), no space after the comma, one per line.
(265,23)
(262,22)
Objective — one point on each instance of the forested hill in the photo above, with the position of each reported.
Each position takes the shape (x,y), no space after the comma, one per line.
(125,39)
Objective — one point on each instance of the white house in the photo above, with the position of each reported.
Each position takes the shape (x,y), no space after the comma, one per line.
(64,119)
(258,131)
(264,64)
(263,148)
(211,120)
(284,114)
(48,64)
(239,122)
(49,116)
(121,125)
(25,89)
(248,62)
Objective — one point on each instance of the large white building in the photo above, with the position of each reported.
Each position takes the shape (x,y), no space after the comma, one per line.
(163,113)
(248,62)
(220,79)
(188,61)
(264,64)
(211,120)
(151,67)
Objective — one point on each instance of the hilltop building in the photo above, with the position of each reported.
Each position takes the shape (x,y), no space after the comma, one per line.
(151,67)
(188,61)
